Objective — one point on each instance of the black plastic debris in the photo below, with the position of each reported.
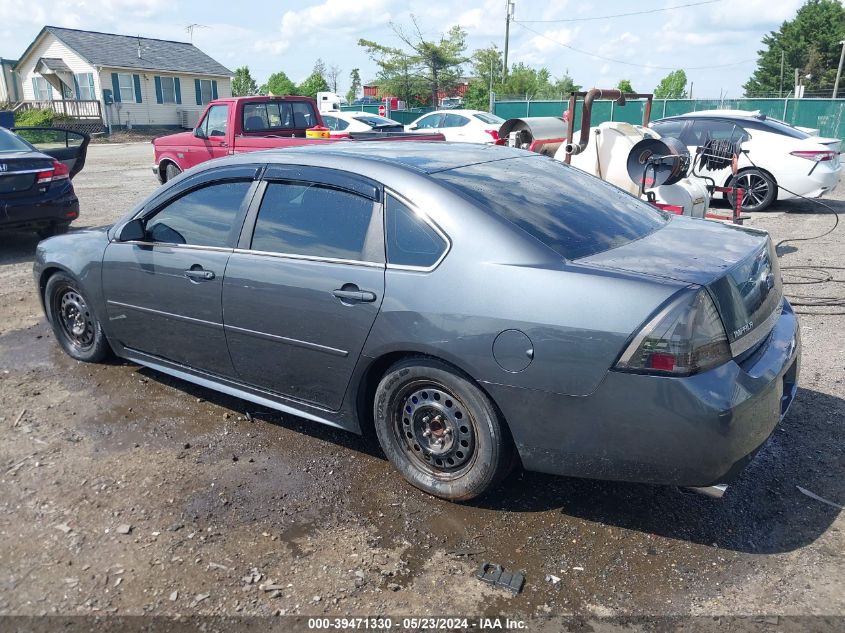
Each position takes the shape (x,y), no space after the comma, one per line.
(496,575)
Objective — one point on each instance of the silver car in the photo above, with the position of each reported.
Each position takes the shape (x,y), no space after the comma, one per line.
(477,306)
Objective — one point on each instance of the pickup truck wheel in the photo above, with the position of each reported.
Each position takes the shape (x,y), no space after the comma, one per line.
(440,430)
(74,323)
(170,172)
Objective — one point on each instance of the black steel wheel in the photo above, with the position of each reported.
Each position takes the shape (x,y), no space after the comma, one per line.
(759,190)
(440,430)
(74,323)
(171,171)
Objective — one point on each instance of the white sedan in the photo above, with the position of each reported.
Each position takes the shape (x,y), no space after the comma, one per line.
(782,161)
(466,126)
(342,123)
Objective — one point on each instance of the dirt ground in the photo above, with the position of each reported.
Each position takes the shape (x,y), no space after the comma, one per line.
(123,491)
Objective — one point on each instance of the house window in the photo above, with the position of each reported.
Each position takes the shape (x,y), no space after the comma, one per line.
(85,83)
(42,89)
(127,87)
(168,90)
(205,91)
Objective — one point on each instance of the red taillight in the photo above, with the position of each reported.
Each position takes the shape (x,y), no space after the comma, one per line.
(662,362)
(494,134)
(58,172)
(817,156)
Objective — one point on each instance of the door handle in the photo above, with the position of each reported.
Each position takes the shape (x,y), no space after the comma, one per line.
(198,274)
(353,293)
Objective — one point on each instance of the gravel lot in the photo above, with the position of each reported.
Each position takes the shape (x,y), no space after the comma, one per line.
(125,491)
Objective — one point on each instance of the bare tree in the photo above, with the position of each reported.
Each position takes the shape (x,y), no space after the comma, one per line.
(332,75)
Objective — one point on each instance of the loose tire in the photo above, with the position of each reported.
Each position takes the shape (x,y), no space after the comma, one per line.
(759,190)
(53,229)
(74,323)
(440,430)
(170,172)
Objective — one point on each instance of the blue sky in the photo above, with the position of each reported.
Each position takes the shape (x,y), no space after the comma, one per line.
(290,35)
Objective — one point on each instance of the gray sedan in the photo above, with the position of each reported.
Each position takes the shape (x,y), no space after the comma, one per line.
(477,306)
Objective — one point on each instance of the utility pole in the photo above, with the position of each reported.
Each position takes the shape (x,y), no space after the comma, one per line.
(780,91)
(508,17)
(839,70)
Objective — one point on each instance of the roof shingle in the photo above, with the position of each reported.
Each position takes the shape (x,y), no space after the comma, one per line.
(121,51)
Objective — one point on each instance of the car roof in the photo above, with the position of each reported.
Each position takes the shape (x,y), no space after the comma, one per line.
(454,111)
(421,156)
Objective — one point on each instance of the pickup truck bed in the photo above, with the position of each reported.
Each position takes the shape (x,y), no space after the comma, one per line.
(250,124)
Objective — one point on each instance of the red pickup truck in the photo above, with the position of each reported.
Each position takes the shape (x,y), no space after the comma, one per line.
(249,124)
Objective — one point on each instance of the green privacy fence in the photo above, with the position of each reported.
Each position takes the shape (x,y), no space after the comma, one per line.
(824,114)
(400,116)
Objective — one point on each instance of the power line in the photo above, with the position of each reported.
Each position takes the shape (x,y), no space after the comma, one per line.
(625,15)
(622,61)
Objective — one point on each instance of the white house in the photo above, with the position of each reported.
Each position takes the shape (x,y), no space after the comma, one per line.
(129,81)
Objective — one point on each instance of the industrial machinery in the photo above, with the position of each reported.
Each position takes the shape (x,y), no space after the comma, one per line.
(632,157)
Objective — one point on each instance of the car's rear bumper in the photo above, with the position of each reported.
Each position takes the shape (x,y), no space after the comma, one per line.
(822,180)
(695,431)
(31,213)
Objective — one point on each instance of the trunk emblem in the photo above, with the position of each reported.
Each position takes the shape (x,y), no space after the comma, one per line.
(745,328)
(4,167)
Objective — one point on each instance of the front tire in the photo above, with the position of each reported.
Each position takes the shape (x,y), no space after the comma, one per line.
(74,323)
(759,189)
(440,430)
(171,171)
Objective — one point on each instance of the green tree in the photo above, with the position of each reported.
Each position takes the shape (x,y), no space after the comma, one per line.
(354,85)
(423,66)
(243,85)
(625,86)
(486,71)
(522,80)
(672,86)
(279,84)
(315,82)
(809,42)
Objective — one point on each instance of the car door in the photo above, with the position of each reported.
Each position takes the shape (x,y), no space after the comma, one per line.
(66,146)
(163,292)
(306,283)
(429,124)
(214,130)
(456,128)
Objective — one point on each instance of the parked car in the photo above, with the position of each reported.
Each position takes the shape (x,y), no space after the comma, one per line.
(247,124)
(36,192)
(475,305)
(782,160)
(451,103)
(367,101)
(343,123)
(462,126)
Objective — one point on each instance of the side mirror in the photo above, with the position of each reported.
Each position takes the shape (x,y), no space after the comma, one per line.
(199,133)
(132,231)
(414,127)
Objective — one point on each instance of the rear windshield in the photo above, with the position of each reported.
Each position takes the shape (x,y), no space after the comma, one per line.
(489,118)
(373,120)
(780,127)
(569,211)
(278,115)
(11,143)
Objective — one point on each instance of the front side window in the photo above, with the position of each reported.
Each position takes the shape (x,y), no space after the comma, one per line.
(127,87)
(85,86)
(297,218)
(203,217)
(672,128)
(411,241)
(216,121)
(429,122)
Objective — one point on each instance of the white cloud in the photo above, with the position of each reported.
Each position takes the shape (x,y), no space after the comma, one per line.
(332,17)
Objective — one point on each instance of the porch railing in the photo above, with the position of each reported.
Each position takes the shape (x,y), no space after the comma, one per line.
(82,110)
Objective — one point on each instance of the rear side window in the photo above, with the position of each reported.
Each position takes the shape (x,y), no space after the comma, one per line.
(455,120)
(11,143)
(411,241)
(297,218)
(571,212)
(489,118)
(203,217)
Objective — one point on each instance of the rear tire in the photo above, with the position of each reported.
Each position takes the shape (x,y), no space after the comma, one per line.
(759,189)
(74,323)
(53,229)
(171,171)
(440,430)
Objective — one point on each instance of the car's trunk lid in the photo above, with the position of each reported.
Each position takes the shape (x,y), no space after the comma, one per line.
(738,266)
(18,171)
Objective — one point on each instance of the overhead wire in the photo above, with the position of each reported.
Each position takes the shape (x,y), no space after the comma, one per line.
(622,15)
